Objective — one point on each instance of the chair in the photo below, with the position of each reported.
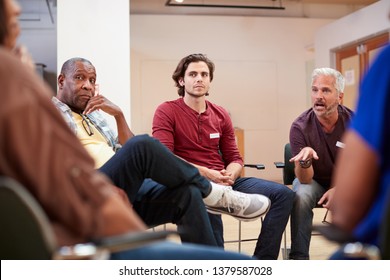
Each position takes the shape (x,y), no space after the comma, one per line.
(26,232)
(240,239)
(288,178)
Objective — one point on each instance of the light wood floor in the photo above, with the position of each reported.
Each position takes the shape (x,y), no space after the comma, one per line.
(320,248)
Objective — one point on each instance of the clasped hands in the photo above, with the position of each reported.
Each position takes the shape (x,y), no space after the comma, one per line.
(221,177)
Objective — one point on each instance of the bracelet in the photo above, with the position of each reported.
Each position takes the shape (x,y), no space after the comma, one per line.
(305,163)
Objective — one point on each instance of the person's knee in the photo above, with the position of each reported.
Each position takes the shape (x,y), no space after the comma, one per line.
(290,196)
(142,139)
(288,193)
(282,199)
(284,194)
(303,199)
(139,142)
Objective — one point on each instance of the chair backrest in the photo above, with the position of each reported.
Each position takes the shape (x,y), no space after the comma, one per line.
(25,230)
(288,169)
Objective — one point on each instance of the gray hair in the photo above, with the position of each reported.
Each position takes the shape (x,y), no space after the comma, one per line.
(70,64)
(339,78)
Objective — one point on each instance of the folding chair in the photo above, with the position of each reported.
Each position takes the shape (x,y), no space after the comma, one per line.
(239,240)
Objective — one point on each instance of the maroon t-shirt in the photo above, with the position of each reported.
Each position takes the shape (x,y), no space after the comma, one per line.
(206,139)
(306,131)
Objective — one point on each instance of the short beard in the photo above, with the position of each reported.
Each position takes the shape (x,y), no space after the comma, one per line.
(197,96)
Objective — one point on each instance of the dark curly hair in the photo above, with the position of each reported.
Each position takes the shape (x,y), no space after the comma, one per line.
(183,65)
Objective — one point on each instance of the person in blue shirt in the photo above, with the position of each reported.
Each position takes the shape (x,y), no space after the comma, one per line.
(362,174)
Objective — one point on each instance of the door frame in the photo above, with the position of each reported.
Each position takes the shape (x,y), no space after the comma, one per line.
(362,49)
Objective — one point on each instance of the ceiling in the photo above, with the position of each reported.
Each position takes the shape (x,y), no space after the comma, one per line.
(292,8)
(38,13)
(43,13)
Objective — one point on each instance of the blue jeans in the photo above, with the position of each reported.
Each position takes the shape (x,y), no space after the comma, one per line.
(173,251)
(306,198)
(176,198)
(275,221)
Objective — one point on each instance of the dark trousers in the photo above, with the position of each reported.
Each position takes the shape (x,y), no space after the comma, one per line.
(275,221)
(162,187)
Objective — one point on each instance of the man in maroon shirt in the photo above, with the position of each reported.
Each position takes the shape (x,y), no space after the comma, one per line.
(202,133)
(315,138)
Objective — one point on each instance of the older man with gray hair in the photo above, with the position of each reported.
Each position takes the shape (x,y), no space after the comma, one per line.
(315,138)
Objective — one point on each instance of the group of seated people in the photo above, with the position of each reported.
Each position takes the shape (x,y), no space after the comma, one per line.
(95,182)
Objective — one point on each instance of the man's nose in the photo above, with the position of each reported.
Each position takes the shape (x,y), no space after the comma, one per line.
(88,85)
(319,94)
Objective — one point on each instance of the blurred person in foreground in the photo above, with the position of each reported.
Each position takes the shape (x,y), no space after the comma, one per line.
(362,174)
(38,150)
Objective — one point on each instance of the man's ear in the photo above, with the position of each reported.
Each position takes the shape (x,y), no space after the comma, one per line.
(341,96)
(181,82)
(60,81)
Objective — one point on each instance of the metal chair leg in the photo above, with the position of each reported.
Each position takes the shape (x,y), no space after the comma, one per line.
(240,239)
(324,221)
(239,236)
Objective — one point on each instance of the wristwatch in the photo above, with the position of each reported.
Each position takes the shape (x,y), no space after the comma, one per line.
(305,163)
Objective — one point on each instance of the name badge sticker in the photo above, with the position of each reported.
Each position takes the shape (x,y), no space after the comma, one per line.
(214,135)
(340,145)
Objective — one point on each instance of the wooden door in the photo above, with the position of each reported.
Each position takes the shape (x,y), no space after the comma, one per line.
(353,61)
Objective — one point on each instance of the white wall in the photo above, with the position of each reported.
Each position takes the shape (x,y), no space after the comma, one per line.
(99,30)
(263,64)
(364,23)
(260,77)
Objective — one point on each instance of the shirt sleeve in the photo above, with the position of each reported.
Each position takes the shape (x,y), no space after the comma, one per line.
(163,126)
(297,139)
